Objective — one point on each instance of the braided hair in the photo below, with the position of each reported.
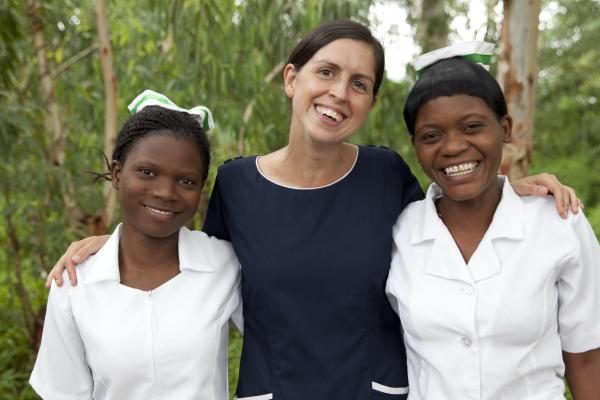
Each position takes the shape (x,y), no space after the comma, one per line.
(152,120)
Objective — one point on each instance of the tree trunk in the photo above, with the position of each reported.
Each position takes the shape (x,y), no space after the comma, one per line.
(433,26)
(110,103)
(517,74)
(52,118)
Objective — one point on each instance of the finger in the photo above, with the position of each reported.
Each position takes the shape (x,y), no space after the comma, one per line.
(574,201)
(559,198)
(56,273)
(71,272)
(541,190)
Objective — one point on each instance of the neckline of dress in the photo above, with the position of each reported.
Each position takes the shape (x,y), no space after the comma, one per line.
(341,178)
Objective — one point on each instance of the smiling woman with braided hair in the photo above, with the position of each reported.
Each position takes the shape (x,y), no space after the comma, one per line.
(150,314)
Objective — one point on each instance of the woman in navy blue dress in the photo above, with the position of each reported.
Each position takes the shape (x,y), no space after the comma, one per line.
(311,224)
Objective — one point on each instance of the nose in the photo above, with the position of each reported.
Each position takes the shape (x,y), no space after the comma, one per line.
(455,143)
(164,189)
(339,90)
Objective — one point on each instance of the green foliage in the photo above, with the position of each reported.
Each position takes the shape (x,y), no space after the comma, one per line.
(220,53)
(567,139)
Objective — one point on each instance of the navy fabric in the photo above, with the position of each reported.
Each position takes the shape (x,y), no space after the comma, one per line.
(317,324)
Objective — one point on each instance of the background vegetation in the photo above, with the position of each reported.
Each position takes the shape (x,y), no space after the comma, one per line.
(226,54)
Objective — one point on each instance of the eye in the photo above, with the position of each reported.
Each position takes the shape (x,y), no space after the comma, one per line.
(326,72)
(430,137)
(360,86)
(473,126)
(146,172)
(186,182)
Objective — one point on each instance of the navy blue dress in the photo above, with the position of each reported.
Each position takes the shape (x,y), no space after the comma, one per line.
(317,324)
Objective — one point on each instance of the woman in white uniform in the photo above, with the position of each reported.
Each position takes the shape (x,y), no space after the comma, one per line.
(149,318)
(499,297)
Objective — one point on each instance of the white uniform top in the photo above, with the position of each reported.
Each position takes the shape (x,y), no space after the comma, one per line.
(494,328)
(104,340)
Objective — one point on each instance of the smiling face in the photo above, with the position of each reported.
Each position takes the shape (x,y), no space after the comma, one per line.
(332,93)
(159,184)
(458,140)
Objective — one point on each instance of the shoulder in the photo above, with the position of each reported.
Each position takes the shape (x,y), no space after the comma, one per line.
(542,218)
(379,153)
(384,158)
(237,164)
(202,248)
(413,214)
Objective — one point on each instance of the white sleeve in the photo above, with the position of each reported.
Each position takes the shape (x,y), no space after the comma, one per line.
(61,371)
(579,292)
(237,317)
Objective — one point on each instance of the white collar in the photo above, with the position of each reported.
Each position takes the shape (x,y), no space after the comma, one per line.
(445,260)
(507,221)
(104,266)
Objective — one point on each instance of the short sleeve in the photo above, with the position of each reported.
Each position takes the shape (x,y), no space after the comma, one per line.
(579,292)
(214,223)
(61,371)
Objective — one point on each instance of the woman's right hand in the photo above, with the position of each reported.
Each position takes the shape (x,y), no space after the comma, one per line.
(77,253)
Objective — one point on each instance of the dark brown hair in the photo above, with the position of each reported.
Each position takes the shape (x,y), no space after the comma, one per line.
(331,31)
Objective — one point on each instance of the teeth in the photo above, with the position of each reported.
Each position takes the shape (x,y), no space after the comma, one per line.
(330,113)
(461,169)
(159,211)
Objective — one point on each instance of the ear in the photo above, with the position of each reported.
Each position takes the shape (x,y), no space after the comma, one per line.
(289,78)
(506,123)
(115,173)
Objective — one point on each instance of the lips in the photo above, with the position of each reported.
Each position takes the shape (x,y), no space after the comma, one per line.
(330,113)
(460,169)
(159,211)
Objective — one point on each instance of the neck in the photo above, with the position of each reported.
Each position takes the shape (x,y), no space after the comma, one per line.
(469,220)
(138,252)
(304,163)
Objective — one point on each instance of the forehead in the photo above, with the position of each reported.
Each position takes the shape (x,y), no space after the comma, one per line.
(353,55)
(166,148)
(456,106)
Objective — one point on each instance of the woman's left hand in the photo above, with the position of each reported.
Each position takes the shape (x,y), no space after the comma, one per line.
(543,184)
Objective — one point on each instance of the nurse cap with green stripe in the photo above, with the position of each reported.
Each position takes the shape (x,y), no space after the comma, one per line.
(477,51)
(151,98)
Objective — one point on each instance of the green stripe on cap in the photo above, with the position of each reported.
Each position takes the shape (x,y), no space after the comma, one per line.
(205,124)
(478,58)
(151,96)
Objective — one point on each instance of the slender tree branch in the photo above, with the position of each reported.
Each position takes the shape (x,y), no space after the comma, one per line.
(250,108)
(73,60)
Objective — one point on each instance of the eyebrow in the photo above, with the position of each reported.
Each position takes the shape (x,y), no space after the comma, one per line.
(358,75)
(151,164)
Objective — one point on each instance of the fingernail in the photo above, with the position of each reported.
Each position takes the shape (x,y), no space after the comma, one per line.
(75,258)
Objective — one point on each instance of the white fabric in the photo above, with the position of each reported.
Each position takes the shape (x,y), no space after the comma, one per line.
(494,328)
(455,50)
(151,98)
(104,340)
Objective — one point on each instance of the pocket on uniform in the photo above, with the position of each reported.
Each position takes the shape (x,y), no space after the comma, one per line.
(378,387)
(267,396)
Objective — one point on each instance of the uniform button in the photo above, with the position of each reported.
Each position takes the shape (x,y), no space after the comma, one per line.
(467,289)
(466,342)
